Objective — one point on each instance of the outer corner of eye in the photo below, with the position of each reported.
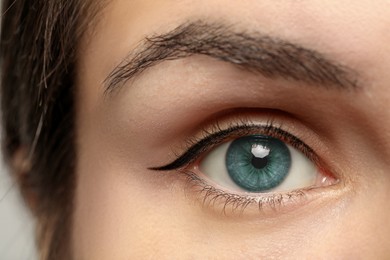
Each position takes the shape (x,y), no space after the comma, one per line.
(260,163)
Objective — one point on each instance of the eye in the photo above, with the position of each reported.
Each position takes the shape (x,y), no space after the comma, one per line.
(258,163)
(249,165)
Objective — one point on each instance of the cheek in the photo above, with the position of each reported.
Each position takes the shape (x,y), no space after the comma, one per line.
(123,210)
(113,216)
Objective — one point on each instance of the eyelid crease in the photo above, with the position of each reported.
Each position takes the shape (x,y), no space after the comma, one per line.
(217,136)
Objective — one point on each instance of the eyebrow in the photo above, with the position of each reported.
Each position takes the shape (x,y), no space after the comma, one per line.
(271,57)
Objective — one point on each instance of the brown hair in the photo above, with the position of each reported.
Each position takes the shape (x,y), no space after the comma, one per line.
(38,46)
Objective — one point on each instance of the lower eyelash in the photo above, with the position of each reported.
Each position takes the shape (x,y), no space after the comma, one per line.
(235,203)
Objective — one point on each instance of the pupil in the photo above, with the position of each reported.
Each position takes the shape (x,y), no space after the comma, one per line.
(259,163)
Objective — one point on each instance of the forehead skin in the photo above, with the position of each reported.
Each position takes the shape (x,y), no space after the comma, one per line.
(125,211)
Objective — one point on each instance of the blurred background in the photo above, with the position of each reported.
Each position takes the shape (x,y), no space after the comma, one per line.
(16,225)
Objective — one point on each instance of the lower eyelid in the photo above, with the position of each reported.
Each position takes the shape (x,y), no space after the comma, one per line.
(221,202)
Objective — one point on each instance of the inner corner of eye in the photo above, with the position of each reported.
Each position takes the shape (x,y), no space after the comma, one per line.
(259,163)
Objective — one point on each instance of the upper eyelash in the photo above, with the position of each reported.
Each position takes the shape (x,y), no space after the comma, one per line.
(217,136)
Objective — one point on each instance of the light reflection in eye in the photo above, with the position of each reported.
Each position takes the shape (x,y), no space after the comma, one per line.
(259,163)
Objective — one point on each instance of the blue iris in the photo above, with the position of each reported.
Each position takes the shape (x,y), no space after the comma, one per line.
(258,163)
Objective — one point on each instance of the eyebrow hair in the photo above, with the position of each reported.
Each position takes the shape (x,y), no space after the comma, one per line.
(269,56)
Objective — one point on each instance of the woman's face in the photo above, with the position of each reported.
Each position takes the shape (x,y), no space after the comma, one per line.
(168,89)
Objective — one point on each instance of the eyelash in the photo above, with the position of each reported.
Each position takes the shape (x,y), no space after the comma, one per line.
(196,148)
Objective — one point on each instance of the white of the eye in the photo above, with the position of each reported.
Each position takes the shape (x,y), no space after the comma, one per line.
(213,165)
(259,151)
(302,173)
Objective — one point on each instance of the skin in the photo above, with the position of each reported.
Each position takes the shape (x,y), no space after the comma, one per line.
(124,210)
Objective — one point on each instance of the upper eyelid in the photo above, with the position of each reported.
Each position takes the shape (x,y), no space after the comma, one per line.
(221,135)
